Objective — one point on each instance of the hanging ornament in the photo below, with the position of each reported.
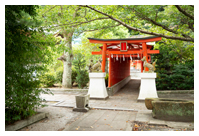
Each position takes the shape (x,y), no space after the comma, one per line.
(123,58)
(111,55)
(117,58)
(130,57)
(138,56)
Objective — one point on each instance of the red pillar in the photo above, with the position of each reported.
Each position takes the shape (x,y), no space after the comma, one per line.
(103,58)
(109,76)
(145,53)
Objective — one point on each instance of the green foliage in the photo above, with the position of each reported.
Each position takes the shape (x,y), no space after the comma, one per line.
(47,79)
(26,52)
(82,78)
(106,79)
(59,74)
(74,75)
(175,69)
(79,63)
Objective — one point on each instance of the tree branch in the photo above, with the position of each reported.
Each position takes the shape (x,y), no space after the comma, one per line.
(100,28)
(136,29)
(184,12)
(158,24)
(48,10)
(79,23)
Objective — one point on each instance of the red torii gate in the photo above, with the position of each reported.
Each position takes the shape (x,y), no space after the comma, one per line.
(126,48)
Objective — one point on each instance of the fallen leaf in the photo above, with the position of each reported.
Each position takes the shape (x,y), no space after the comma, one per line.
(121,129)
(27,129)
(60,129)
(83,129)
(135,129)
(136,125)
(104,119)
(115,105)
(126,121)
(77,128)
(111,126)
(91,126)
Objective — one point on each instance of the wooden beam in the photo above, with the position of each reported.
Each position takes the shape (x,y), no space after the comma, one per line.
(129,41)
(128,52)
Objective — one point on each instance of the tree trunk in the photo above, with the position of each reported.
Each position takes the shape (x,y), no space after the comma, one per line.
(67,62)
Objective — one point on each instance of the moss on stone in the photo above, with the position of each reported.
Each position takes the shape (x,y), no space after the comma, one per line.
(173,110)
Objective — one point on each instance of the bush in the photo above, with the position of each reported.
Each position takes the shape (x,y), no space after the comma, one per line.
(172,73)
(59,74)
(106,79)
(74,75)
(48,79)
(23,56)
(82,78)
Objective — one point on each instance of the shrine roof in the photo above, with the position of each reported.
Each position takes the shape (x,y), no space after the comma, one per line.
(129,40)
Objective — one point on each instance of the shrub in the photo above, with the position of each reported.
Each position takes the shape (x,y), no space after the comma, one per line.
(74,75)
(24,55)
(59,74)
(106,79)
(48,79)
(82,78)
(172,72)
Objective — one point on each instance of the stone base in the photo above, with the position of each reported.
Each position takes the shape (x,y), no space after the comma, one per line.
(81,109)
(97,98)
(97,87)
(148,86)
(116,87)
(23,123)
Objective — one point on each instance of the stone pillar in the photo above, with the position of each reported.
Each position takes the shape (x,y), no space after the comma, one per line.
(148,86)
(97,87)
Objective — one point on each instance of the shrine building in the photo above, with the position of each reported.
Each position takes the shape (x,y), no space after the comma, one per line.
(121,53)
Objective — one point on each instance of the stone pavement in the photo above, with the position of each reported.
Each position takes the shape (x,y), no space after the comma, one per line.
(125,99)
(114,114)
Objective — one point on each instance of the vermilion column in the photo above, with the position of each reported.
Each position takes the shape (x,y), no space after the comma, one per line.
(103,58)
(145,53)
(109,79)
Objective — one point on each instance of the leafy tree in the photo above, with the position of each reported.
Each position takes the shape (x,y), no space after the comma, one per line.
(175,68)
(82,74)
(171,22)
(26,53)
(70,21)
